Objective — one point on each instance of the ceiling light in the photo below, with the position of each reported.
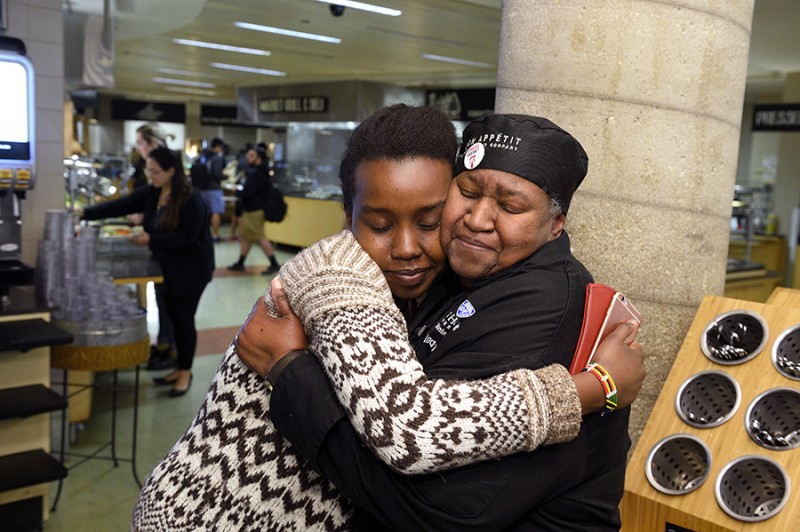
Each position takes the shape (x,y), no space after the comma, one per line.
(224,47)
(365,7)
(288,33)
(456,61)
(177,72)
(251,70)
(185,90)
(185,82)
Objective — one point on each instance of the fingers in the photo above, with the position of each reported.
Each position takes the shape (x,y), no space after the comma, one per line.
(632,336)
(278,294)
(257,306)
(626,328)
(627,331)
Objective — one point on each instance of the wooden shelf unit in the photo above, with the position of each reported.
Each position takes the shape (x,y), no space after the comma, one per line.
(26,466)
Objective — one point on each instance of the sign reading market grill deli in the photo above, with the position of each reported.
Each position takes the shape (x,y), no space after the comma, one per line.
(294,104)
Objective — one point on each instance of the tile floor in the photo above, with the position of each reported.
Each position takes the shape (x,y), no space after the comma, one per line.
(96,495)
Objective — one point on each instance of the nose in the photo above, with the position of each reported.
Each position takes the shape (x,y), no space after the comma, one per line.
(405,244)
(481,216)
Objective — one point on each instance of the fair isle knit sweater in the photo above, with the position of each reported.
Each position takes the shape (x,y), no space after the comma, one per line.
(231,470)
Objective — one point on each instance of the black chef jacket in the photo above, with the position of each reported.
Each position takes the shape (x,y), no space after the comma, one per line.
(526,316)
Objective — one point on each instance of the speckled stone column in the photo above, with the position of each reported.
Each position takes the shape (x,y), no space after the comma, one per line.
(654,92)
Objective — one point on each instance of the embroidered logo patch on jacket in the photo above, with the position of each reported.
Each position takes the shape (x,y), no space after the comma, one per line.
(465,310)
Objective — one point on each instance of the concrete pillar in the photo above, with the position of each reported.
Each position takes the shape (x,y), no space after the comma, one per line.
(654,91)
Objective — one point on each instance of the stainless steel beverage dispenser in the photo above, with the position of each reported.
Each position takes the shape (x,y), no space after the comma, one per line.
(17,157)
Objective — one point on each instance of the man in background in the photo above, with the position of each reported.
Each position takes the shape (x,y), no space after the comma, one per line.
(207,176)
(252,192)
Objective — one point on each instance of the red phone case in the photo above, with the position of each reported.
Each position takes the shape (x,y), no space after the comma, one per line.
(598,299)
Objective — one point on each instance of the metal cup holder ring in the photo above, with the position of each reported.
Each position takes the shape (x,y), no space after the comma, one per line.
(708,399)
(678,464)
(773,419)
(752,488)
(734,337)
(786,353)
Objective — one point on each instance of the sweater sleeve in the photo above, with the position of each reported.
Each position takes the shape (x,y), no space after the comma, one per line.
(413,424)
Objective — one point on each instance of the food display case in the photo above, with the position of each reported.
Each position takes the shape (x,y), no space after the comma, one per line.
(305,163)
(310,125)
(88,180)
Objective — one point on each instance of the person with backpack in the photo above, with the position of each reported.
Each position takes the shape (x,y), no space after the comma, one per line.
(252,192)
(207,177)
(241,168)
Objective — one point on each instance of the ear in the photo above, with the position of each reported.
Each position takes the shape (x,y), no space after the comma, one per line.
(349,217)
(557,226)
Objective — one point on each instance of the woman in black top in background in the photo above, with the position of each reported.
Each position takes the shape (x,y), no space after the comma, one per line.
(176,230)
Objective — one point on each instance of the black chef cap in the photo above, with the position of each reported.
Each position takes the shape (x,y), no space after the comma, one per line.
(530,147)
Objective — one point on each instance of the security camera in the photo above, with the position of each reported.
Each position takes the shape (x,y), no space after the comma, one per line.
(337,10)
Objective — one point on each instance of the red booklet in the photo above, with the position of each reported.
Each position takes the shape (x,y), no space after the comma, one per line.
(598,299)
(605,308)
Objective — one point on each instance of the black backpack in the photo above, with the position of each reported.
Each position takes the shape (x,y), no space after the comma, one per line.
(200,172)
(274,205)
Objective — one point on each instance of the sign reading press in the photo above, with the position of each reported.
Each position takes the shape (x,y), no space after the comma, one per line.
(776,117)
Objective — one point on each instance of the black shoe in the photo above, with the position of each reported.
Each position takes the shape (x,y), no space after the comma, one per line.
(157,363)
(156,354)
(236,267)
(156,351)
(162,381)
(271,270)
(174,392)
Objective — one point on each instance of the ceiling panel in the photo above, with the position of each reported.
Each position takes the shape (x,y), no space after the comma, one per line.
(373,48)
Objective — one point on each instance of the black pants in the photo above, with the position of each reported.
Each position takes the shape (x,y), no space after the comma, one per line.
(166,335)
(181,311)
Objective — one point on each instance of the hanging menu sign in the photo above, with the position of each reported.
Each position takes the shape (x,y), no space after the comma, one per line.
(218,114)
(461,104)
(153,111)
(776,117)
(294,104)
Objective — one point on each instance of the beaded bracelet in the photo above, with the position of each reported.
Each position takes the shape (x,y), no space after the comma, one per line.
(609,387)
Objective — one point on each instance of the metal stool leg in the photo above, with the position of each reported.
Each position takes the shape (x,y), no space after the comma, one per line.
(135,427)
(61,452)
(114,420)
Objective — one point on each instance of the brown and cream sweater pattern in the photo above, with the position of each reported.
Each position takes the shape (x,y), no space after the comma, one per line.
(231,470)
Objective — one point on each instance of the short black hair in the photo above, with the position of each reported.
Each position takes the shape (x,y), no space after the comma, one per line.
(394,133)
(216,141)
(260,153)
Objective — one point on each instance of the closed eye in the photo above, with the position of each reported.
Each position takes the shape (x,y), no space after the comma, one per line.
(468,193)
(511,209)
(429,226)
(378,228)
